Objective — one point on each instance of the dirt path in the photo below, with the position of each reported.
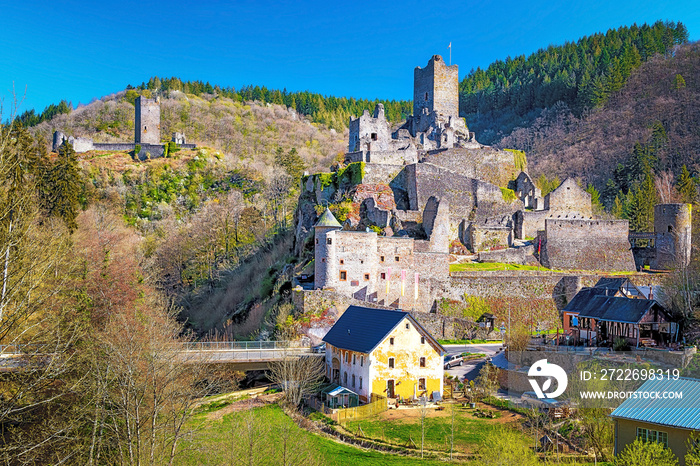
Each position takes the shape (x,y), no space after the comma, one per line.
(410,414)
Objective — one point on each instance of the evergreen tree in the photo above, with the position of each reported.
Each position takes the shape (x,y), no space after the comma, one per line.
(686,186)
(61,186)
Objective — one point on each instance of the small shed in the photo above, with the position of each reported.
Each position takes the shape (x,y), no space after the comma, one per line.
(487,320)
(337,396)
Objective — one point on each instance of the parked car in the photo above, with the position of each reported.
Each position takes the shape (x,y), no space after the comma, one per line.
(454,360)
(319,348)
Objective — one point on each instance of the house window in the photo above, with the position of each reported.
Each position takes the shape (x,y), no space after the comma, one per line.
(353,359)
(323,259)
(396,258)
(353,380)
(422,362)
(360,382)
(345,377)
(381,258)
(329,240)
(346,357)
(391,340)
(362,361)
(391,363)
(374,136)
(422,340)
(421,383)
(343,275)
(647,435)
(316,240)
(366,277)
(383,275)
(408,326)
(342,261)
(426,96)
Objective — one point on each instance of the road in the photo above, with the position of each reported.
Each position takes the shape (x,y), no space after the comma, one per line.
(470,369)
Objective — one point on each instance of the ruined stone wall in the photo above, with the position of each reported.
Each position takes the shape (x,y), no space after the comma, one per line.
(528,222)
(672,225)
(569,197)
(369,133)
(436,224)
(426,180)
(114,146)
(485,163)
(383,174)
(436,87)
(151,151)
(587,245)
(526,191)
(479,239)
(560,286)
(443,327)
(147,121)
(522,255)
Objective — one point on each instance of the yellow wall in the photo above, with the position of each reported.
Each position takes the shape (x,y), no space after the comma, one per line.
(406,351)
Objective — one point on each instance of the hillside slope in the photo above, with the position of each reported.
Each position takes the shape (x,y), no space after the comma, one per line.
(663,90)
(212,222)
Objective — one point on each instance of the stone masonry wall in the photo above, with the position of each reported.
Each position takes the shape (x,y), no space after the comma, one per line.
(569,197)
(484,163)
(436,87)
(587,245)
(672,225)
(147,121)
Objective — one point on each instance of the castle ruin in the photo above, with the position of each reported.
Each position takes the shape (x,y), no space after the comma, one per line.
(146,134)
(434,193)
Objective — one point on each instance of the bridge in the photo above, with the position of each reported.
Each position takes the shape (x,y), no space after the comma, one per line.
(245,355)
(240,355)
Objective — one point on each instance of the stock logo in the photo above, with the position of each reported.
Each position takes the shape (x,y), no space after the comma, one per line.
(542,368)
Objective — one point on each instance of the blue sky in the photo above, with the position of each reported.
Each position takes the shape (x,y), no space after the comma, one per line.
(82,50)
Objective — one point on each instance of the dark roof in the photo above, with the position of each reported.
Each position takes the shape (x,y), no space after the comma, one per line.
(361,329)
(584,297)
(617,309)
(675,412)
(611,283)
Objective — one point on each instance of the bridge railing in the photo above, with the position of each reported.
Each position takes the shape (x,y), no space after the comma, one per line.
(242,345)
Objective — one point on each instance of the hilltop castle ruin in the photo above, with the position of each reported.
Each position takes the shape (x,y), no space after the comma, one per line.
(146,134)
(438,195)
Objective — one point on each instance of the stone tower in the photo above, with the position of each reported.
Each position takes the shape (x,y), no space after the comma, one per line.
(436,88)
(324,252)
(672,225)
(147,121)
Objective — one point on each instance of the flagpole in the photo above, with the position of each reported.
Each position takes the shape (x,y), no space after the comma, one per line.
(450,47)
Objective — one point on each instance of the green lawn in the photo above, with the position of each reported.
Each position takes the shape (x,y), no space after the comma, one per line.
(223,442)
(470,432)
(490,266)
(467,342)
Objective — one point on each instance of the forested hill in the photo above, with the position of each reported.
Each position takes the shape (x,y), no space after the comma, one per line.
(582,75)
(334,112)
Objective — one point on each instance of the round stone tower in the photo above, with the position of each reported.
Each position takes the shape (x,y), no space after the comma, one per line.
(324,252)
(672,226)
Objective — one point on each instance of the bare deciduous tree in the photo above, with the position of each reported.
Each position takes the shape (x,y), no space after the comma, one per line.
(298,376)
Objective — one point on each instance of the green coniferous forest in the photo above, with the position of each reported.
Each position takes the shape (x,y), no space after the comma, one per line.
(580,74)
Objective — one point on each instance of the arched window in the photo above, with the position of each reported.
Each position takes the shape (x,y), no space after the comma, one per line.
(345,378)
